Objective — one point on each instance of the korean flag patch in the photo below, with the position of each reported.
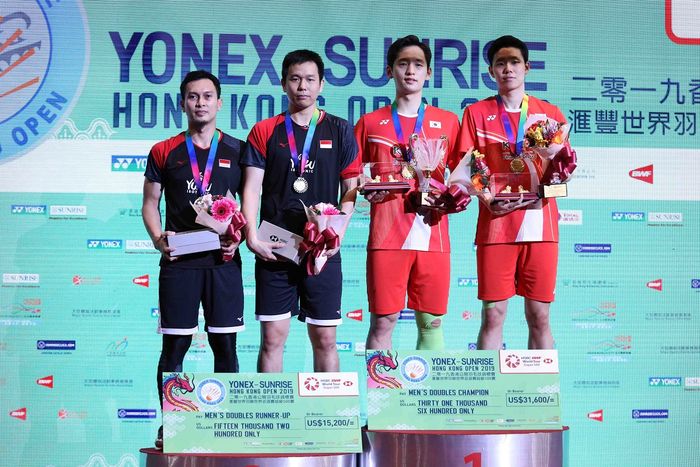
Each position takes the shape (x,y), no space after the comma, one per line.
(434,124)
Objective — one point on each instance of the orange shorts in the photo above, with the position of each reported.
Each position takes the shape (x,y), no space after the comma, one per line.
(528,269)
(422,275)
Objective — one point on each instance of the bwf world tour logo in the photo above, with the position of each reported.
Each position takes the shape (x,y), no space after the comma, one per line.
(44,50)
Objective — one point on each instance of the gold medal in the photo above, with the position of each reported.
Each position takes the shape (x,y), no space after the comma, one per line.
(408,172)
(517,165)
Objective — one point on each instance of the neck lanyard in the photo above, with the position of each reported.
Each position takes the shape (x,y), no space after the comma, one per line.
(202,182)
(397,126)
(516,141)
(300,165)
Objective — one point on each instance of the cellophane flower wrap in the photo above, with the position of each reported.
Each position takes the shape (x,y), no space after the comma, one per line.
(545,137)
(221,214)
(471,174)
(324,229)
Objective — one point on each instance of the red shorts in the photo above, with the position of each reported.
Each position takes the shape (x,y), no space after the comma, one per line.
(423,275)
(528,269)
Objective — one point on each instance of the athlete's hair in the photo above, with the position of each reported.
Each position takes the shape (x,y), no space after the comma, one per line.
(404,42)
(296,57)
(196,76)
(506,41)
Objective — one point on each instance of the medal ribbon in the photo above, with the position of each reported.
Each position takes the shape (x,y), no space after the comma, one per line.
(300,166)
(397,126)
(203,182)
(517,141)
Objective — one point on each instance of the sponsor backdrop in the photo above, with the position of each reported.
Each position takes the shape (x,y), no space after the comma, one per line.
(87,87)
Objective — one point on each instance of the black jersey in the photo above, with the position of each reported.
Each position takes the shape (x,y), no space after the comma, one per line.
(169,164)
(332,158)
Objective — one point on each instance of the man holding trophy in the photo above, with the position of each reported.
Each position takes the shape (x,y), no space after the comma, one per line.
(406,146)
(517,161)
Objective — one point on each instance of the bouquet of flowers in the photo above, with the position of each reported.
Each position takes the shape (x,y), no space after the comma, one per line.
(324,229)
(222,215)
(471,174)
(545,137)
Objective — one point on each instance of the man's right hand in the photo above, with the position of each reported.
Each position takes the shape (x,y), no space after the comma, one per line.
(161,244)
(504,206)
(263,250)
(376,196)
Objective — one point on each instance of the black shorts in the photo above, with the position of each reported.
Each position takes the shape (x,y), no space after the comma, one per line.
(281,287)
(219,289)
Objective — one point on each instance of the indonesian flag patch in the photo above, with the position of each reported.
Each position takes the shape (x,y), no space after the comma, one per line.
(326,144)
(225,163)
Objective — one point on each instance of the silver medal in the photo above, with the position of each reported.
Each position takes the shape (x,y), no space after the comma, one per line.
(300,185)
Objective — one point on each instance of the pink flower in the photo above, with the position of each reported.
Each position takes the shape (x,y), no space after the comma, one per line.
(222,209)
(326,209)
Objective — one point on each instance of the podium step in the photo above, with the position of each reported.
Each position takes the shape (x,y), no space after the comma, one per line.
(151,457)
(542,448)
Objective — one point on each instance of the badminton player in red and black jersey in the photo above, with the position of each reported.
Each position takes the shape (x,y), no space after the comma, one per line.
(200,160)
(302,155)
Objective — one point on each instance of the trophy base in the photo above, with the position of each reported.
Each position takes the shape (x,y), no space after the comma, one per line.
(385,186)
(515,196)
(556,190)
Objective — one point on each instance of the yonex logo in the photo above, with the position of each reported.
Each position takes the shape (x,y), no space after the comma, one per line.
(28,209)
(129,163)
(384,122)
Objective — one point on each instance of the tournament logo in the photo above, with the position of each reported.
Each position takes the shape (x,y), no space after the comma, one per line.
(311,384)
(44,51)
(211,391)
(657,285)
(596,415)
(414,369)
(512,361)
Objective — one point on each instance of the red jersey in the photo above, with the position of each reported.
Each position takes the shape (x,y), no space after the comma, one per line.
(483,130)
(394,223)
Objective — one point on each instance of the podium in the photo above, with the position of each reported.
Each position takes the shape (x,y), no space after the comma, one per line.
(154,458)
(536,448)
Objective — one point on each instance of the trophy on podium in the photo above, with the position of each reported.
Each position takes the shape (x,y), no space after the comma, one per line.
(382,176)
(428,154)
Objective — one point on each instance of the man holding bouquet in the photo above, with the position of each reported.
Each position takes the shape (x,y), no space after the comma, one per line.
(409,246)
(298,158)
(517,236)
(200,161)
